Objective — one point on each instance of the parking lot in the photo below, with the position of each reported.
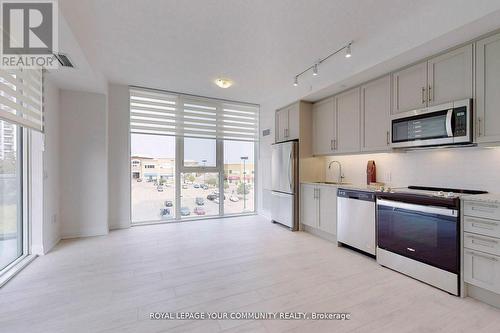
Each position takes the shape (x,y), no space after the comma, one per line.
(147,201)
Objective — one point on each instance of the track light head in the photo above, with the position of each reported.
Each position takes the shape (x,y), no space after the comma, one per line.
(348,53)
(315,70)
(296,81)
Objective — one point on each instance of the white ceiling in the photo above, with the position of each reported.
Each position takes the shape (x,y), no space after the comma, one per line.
(261,44)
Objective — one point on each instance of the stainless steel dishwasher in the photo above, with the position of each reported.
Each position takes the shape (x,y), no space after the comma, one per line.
(356,219)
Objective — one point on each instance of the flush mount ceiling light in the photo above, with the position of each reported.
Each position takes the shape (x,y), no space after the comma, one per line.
(223,83)
(348,54)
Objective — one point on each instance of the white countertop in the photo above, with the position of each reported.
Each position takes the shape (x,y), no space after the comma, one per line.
(361,187)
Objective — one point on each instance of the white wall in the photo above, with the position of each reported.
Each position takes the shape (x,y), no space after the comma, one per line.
(470,168)
(119,159)
(44,162)
(84,164)
(51,161)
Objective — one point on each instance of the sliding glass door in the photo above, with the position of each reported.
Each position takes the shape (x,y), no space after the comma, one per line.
(11,194)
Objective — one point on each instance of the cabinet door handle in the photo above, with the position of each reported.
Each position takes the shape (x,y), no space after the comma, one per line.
(478,126)
(482,256)
(387,138)
(331,144)
(430,93)
(423,95)
(334,144)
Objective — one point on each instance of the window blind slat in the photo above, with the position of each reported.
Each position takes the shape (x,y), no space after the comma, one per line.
(21,97)
(151,112)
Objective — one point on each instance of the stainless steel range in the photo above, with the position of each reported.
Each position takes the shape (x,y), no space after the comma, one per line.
(418,234)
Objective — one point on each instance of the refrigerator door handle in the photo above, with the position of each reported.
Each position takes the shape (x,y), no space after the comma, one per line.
(290,171)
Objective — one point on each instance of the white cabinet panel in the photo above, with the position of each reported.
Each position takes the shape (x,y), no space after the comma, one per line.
(410,88)
(482,270)
(487,89)
(308,205)
(328,209)
(487,210)
(482,243)
(450,76)
(375,115)
(348,118)
(482,226)
(324,127)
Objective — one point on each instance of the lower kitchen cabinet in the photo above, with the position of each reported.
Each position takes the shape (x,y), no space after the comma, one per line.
(318,207)
(482,244)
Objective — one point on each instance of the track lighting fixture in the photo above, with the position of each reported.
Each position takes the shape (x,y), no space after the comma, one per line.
(315,67)
(315,70)
(348,51)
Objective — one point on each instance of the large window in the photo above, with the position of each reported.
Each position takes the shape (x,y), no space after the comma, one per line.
(153,177)
(211,146)
(11,195)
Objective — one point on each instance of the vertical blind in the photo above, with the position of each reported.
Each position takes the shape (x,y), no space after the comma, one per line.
(153,112)
(21,97)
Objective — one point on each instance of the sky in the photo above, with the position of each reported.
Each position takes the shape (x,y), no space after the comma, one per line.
(194,149)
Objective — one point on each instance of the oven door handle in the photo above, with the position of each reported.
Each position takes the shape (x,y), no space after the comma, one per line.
(418,208)
(449,116)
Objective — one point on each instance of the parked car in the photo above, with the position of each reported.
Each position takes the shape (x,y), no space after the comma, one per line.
(184,186)
(234,198)
(204,186)
(212,197)
(139,180)
(168,203)
(155,183)
(199,211)
(185,211)
(165,213)
(199,201)
(216,200)
(196,186)
(159,188)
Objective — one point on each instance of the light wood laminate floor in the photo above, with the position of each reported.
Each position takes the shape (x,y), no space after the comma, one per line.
(112,283)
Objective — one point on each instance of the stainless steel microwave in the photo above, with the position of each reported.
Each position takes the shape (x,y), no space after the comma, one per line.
(445,124)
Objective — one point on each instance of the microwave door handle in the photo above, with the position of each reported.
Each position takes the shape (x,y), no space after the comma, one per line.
(449,116)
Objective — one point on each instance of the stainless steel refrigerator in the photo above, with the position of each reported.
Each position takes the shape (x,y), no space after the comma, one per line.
(285,177)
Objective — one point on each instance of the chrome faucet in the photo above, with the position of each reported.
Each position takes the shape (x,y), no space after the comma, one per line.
(341,176)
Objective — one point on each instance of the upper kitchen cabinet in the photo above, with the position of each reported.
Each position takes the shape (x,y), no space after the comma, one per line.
(487,89)
(293,121)
(324,127)
(410,88)
(442,79)
(348,122)
(450,76)
(375,115)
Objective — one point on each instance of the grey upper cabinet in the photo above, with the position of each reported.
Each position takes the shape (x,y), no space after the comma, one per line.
(375,115)
(348,119)
(450,76)
(324,127)
(410,88)
(487,89)
(288,121)
(442,79)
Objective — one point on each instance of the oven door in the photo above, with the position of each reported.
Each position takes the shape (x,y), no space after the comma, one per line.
(424,233)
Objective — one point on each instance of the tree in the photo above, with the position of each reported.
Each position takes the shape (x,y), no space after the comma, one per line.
(242,187)
(211,182)
(190,178)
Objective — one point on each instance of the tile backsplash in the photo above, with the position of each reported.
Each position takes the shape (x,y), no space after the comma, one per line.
(471,168)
